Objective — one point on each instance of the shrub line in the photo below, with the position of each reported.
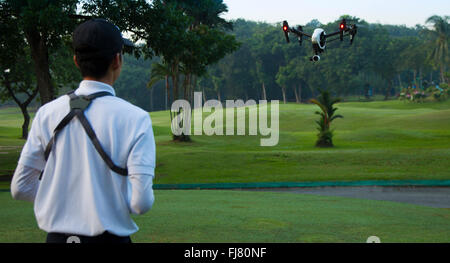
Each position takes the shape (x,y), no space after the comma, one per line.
(429,183)
(392,183)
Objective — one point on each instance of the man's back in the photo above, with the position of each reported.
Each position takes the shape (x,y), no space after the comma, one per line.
(78,192)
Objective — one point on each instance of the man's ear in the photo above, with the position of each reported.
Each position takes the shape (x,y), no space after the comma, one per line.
(117,62)
(75,60)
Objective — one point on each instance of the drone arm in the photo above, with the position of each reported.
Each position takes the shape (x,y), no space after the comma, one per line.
(331,40)
(333,34)
(299,33)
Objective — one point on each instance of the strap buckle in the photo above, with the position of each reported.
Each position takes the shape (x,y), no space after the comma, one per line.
(79,102)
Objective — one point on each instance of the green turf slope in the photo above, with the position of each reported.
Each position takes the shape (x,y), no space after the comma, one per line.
(388,140)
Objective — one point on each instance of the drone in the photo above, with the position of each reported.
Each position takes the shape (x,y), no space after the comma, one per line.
(319,38)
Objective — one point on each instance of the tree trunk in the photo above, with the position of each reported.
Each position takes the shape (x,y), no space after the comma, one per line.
(296,94)
(151,98)
(283,90)
(186,82)
(23,106)
(204,94)
(218,95)
(26,120)
(399,80)
(300,93)
(175,80)
(174,67)
(414,76)
(264,91)
(388,90)
(39,53)
(420,78)
(167,90)
(193,87)
(258,95)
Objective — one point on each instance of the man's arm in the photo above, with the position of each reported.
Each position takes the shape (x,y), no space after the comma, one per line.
(25,183)
(141,168)
(140,191)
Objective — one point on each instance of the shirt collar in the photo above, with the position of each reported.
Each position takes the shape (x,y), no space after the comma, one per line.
(88,87)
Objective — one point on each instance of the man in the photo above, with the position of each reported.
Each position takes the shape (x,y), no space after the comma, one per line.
(78,195)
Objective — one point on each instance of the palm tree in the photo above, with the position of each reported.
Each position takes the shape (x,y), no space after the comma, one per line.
(159,72)
(162,71)
(325,102)
(440,36)
(206,12)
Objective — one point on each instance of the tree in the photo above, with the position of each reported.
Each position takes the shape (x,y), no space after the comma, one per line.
(18,84)
(327,115)
(188,44)
(17,64)
(282,80)
(43,23)
(160,71)
(439,37)
(413,57)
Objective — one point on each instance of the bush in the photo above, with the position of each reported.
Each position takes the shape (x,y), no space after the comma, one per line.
(439,93)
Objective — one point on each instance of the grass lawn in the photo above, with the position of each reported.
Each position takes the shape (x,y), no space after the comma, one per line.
(375,140)
(235,216)
(378,140)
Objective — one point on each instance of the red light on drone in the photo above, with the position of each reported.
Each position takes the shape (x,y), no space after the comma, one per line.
(342,26)
(285,28)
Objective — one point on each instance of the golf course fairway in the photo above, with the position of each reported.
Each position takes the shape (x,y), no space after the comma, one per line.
(240,216)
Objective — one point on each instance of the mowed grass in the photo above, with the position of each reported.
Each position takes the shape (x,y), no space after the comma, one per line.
(237,216)
(375,140)
(387,140)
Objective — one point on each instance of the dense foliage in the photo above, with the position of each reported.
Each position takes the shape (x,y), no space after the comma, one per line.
(384,59)
(190,42)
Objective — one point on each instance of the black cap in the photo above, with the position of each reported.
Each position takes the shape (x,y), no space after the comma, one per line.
(98,38)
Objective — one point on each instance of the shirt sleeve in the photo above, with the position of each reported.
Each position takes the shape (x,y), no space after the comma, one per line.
(141,159)
(25,183)
(33,151)
(140,193)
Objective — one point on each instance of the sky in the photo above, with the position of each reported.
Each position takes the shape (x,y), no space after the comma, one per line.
(394,12)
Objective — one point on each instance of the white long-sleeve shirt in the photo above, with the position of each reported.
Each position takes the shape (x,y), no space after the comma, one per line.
(25,184)
(78,192)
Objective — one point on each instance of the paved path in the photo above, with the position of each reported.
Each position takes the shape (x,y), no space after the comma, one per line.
(426,196)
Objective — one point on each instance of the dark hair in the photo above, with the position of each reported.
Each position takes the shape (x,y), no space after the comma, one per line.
(94,67)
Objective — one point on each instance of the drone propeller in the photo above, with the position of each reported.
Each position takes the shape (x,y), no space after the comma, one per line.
(300,37)
(342,28)
(286,30)
(353,31)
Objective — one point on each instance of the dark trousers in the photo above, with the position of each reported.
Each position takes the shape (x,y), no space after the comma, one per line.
(106,237)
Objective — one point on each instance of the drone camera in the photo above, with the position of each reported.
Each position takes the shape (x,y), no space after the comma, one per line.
(315,58)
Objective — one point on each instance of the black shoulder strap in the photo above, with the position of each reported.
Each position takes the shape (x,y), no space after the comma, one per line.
(78,104)
(90,132)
